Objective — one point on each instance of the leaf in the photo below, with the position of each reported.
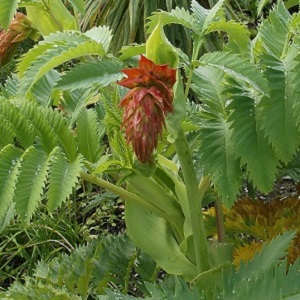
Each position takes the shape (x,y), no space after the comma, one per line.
(251,145)
(9,170)
(273,32)
(279,119)
(13,116)
(238,35)
(160,243)
(87,74)
(218,158)
(105,261)
(263,262)
(52,129)
(79,5)
(42,90)
(7,10)
(217,152)
(51,16)
(176,16)
(54,57)
(31,182)
(206,17)
(59,38)
(102,35)
(7,134)
(132,50)
(200,14)
(238,68)
(62,179)
(261,5)
(88,135)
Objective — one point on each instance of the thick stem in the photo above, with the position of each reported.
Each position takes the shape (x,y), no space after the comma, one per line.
(194,202)
(220,220)
(123,193)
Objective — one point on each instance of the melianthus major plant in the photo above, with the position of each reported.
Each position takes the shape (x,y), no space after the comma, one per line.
(246,120)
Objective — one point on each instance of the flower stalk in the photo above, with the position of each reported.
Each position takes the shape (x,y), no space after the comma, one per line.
(194,202)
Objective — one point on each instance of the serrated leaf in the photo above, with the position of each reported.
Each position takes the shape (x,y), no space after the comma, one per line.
(251,143)
(62,179)
(205,17)
(219,160)
(217,152)
(7,132)
(22,130)
(238,35)
(176,16)
(279,120)
(85,75)
(237,67)
(79,5)
(9,170)
(132,50)
(7,10)
(89,135)
(54,57)
(273,32)
(43,88)
(200,14)
(101,35)
(31,182)
(59,38)
(269,256)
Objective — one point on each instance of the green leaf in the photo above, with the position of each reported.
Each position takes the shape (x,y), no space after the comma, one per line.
(19,123)
(273,32)
(7,10)
(62,179)
(251,143)
(204,18)
(43,88)
(160,243)
(238,35)
(200,14)
(9,171)
(31,182)
(132,50)
(279,119)
(59,38)
(261,265)
(217,151)
(89,135)
(238,68)
(7,134)
(85,75)
(176,16)
(79,5)
(54,57)
(105,261)
(218,157)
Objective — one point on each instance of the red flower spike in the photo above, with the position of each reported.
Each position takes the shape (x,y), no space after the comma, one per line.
(146,105)
(19,29)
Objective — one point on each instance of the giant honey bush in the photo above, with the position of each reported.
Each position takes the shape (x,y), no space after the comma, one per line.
(245,124)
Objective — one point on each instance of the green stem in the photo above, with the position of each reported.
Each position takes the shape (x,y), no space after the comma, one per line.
(220,220)
(194,202)
(123,193)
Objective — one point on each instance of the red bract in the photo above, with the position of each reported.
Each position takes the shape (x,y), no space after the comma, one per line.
(19,29)
(146,105)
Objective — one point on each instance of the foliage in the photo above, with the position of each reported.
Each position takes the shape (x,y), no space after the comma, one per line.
(261,222)
(60,117)
(106,262)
